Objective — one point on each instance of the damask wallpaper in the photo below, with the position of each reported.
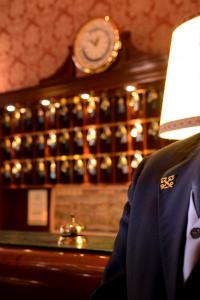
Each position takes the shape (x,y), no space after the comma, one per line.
(35,34)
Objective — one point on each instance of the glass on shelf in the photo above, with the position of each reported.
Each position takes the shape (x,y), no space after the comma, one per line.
(6,173)
(91,138)
(137,134)
(6,149)
(64,113)
(78,171)
(26,119)
(52,144)
(122,169)
(77,111)
(121,136)
(64,143)
(40,172)
(28,172)
(92,169)
(105,108)
(16,147)
(106,169)
(17,173)
(65,171)
(40,145)
(77,142)
(28,146)
(105,139)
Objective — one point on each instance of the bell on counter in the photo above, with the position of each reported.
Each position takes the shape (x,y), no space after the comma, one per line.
(28,172)
(52,171)
(122,169)
(6,173)
(40,172)
(16,147)
(6,149)
(106,169)
(106,139)
(40,145)
(40,119)
(91,110)
(153,140)
(64,143)
(92,169)
(27,119)
(64,113)
(16,120)
(121,111)
(6,123)
(78,142)
(153,103)
(65,171)
(51,116)
(92,139)
(137,135)
(78,171)
(137,158)
(105,109)
(52,144)
(77,111)
(121,135)
(16,172)
(28,146)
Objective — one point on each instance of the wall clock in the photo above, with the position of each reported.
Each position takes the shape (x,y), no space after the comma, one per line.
(96,45)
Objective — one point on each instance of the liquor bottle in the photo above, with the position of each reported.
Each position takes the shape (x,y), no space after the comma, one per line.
(6,149)
(153,103)
(40,172)
(77,111)
(28,172)
(16,147)
(91,138)
(27,119)
(105,109)
(91,110)
(78,171)
(121,111)
(153,140)
(137,135)
(105,139)
(52,171)
(16,121)
(136,159)
(122,169)
(64,113)
(16,173)
(6,123)
(64,171)
(106,169)
(40,146)
(121,138)
(28,146)
(40,119)
(78,142)
(6,173)
(51,116)
(52,144)
(64,143)
(135,105)
(92,169)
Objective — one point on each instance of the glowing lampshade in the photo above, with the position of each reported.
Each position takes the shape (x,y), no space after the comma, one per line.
(180,117)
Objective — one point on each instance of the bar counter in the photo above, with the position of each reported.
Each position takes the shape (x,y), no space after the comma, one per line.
(37,265)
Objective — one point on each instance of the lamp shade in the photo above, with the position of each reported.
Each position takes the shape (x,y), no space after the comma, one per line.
(180,116)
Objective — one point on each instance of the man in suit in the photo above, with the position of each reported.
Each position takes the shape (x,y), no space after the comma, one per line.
(153,256)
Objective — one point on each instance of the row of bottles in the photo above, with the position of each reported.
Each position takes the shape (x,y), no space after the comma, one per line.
(81,110)
(94,169)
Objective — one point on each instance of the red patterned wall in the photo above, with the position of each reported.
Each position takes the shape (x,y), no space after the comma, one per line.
(35,35)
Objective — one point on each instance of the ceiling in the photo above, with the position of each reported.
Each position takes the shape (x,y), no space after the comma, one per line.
(35,35)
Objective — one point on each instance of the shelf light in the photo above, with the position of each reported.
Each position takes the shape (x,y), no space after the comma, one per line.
(22,110)
(45,102)
(10,108)
(130,88)
(85,96)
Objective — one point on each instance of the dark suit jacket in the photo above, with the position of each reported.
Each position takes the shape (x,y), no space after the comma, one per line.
(147,260)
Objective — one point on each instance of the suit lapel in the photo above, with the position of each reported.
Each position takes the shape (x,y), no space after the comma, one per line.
(173,208)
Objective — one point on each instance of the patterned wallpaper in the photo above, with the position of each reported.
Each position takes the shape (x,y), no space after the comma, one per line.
(35,35)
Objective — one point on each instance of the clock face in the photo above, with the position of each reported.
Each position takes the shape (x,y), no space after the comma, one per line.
(96,45)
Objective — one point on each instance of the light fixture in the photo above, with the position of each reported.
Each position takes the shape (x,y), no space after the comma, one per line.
(130,88)
(180,117)
(10,108)
(45,102)
(85,96)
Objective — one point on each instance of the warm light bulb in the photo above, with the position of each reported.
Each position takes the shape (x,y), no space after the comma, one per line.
(10,108)
(85,96)
(130,88)
(45,102)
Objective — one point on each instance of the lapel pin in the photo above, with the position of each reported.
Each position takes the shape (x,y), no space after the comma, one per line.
(167,182)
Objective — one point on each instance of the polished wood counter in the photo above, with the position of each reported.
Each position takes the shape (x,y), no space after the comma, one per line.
(35,266)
